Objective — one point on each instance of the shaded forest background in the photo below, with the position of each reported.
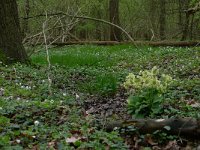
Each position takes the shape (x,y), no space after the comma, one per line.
(149,20)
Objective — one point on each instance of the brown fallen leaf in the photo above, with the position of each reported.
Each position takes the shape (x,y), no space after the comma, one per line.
(149,140)
(172,145)
(72,139)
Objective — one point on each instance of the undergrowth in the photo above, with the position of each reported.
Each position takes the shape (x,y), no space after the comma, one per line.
(31,118)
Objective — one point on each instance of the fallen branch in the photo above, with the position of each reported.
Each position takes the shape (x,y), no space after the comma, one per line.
(154,44)
(194,9)
(177,126)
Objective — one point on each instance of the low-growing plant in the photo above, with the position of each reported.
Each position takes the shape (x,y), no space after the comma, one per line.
(147,79)
(103,84)
(146,103)
(146,91)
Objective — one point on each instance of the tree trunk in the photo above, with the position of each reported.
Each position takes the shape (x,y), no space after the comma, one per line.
(187,21)
(25,25)
(180,15)
(152,15)
(186,27)
(115,33)
(11,48)
(162,19)
(191,26)
(190,12)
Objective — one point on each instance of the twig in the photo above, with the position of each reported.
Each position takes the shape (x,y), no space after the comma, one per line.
(47,54)
(87,18)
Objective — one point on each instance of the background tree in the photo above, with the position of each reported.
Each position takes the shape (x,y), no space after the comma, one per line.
(153,20)
(115,33)
(162,19)
(11,48)
(25,25)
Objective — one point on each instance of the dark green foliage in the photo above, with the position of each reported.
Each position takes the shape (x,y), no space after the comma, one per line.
(147,103)
(25,97)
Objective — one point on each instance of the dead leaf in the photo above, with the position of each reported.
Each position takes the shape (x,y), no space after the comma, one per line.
(172,145)
(156,148)
(51,145)
(150,140)
(72,139)
(195,105)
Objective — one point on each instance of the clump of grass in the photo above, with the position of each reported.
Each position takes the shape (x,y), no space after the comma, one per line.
(103,85)
(80,56)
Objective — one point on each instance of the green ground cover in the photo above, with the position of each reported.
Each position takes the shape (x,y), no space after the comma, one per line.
(32,118)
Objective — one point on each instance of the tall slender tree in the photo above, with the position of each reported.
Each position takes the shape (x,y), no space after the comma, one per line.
(162,19)
(25,23)
(11,48)
(115,33)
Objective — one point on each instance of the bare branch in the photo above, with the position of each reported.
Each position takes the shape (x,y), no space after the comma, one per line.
(87,18)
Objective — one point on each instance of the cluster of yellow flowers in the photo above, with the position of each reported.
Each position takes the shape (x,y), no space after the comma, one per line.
(147,79)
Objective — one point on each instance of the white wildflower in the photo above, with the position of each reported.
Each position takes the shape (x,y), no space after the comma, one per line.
(18,141)
(77,96)
(28,87)
(36,123)
(34,136)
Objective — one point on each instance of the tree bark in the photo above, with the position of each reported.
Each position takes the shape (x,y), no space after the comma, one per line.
(162,19)
(177,126)
(136,43)
(180,15)
(152,15)
(25,23)
(189,14)
(186,22)
(186,27)
(11,47)
(115,33)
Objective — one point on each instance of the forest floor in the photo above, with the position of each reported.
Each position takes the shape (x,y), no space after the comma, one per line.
(85,92)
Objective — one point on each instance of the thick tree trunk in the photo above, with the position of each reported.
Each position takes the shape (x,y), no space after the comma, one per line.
(162,19)
(10,35)
(115,33)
